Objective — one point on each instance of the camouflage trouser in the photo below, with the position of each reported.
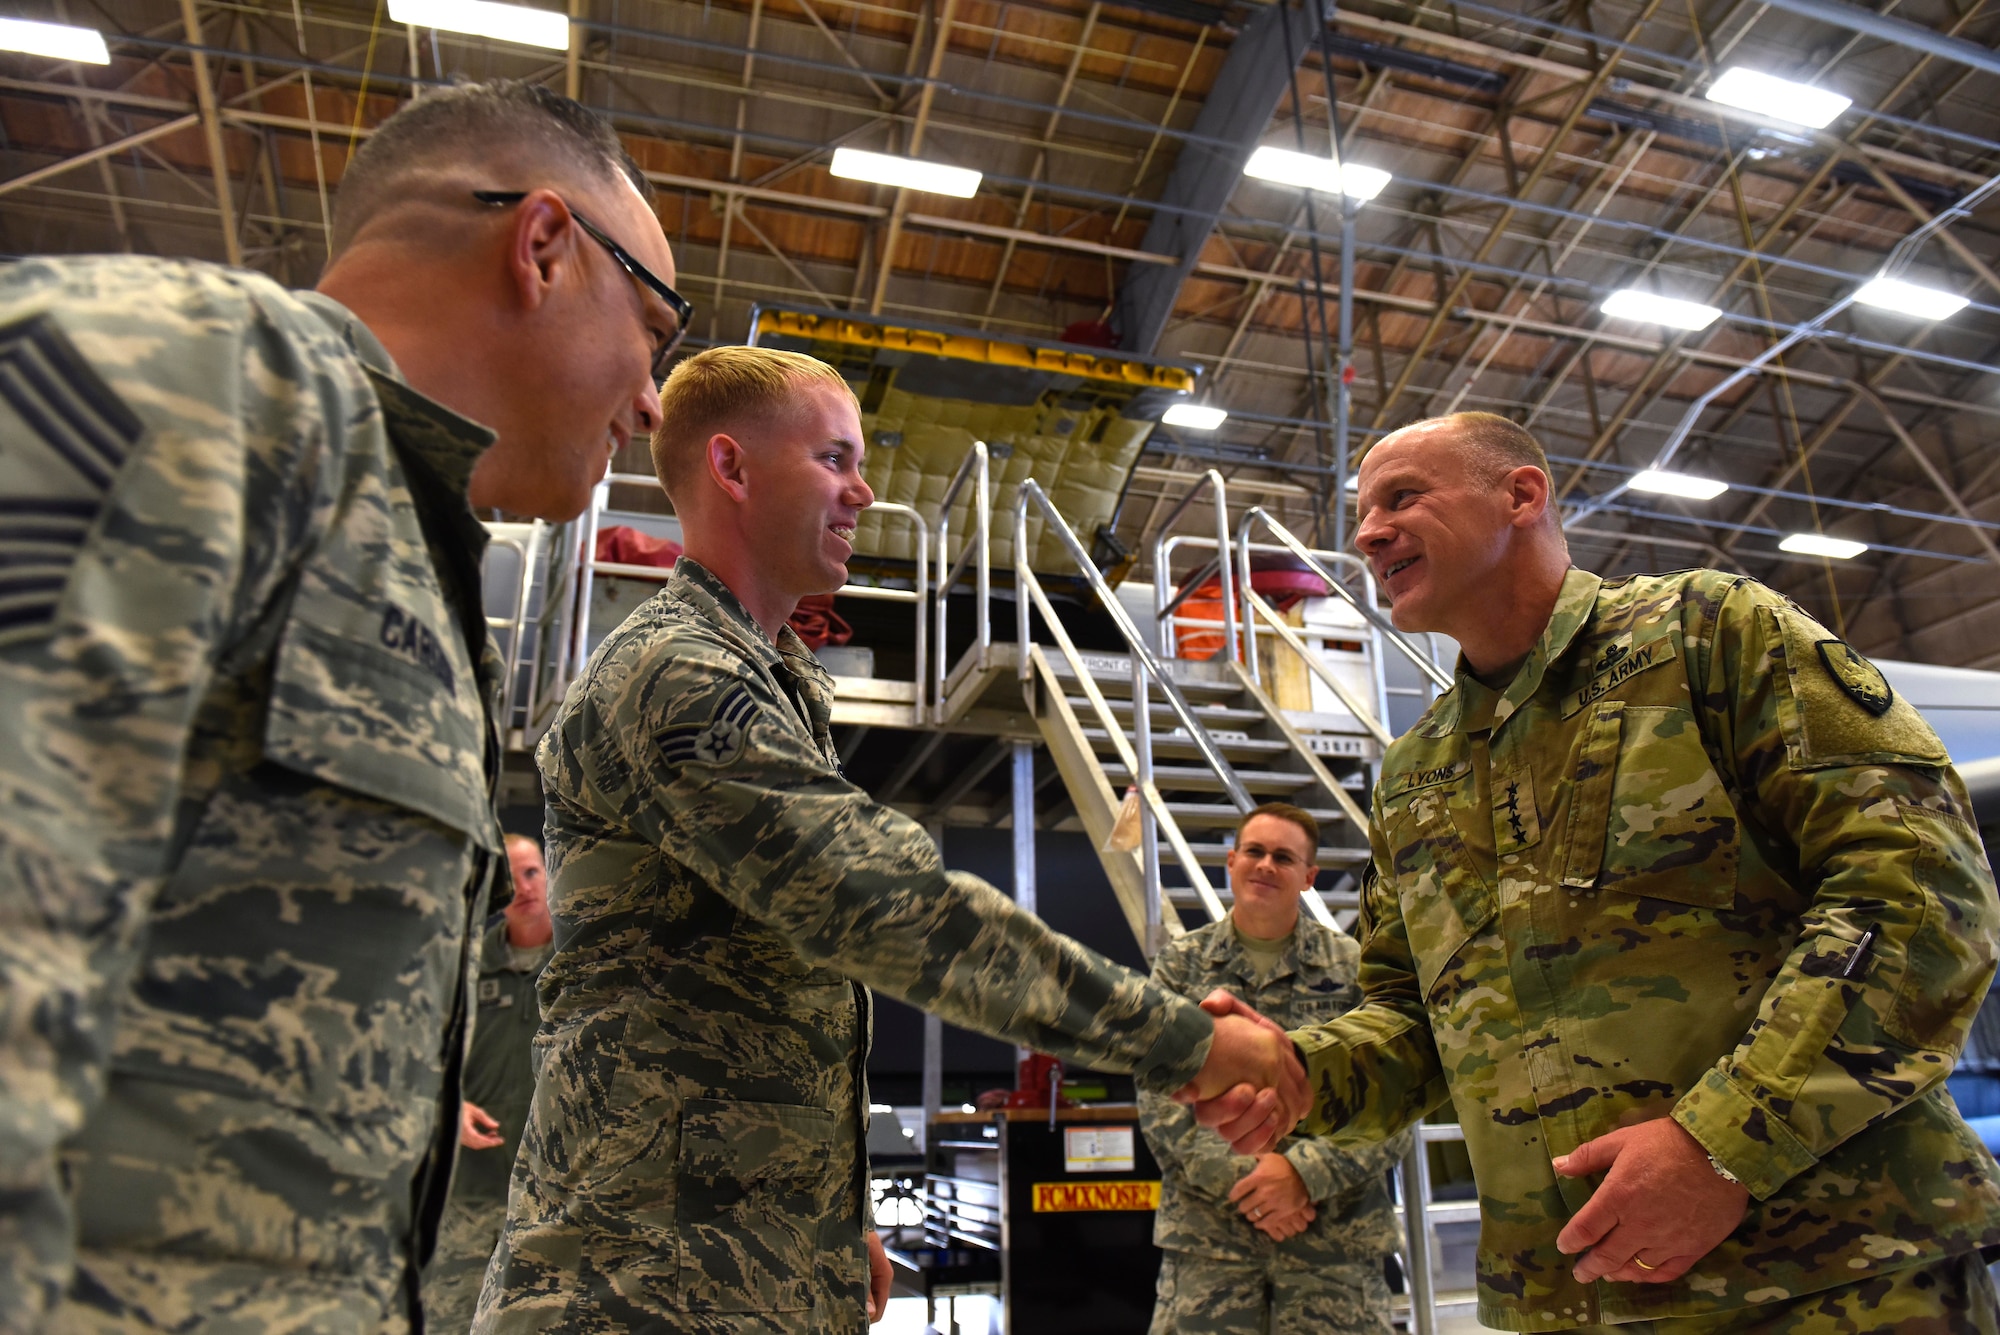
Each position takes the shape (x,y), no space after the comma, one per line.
(1954,1297)
(1280,1296)
(466,1237)
(126,1293)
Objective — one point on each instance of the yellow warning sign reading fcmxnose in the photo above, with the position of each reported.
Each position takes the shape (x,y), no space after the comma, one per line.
(1060,1196)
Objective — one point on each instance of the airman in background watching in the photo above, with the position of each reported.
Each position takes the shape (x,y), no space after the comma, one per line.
(499,1083)
(1291,1241)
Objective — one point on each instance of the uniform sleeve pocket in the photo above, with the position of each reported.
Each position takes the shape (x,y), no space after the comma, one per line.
(754,1184)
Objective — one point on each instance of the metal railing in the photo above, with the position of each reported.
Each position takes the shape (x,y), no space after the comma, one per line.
(978,553)
(537,629)
(1385,629)
(1155,821)
(1164,606)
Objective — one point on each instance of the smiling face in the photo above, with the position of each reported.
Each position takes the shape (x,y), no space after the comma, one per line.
(1436,526)
(804,475)
(1272,864)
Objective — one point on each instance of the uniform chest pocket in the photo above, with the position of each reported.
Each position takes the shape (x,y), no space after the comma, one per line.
(1444,899)
(755,1183)
(1648,813)
(374,691)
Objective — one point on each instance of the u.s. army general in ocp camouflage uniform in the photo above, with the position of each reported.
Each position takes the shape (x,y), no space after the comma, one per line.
(1220,1274)
(244,815)
(1635,883)
(723,899)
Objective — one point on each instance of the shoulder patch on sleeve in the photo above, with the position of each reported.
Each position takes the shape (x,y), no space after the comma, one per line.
(1857,676)
(717,742)
(1834,706)
(64,437)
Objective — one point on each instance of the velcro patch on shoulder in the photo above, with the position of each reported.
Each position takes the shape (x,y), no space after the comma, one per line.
(1857,676)
(64,437)
(717,742)
(1835,707)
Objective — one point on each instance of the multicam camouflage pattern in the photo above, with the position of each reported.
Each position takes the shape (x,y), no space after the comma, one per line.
(1950,1297)
(500,1080)
(1282,1294)
(1636,884)
(1312,981)
(244,814)
(693,1160)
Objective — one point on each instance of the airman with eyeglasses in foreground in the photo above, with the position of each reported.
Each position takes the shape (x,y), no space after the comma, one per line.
(246,832)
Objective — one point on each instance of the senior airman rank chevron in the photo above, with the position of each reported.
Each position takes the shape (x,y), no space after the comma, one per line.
(716,742)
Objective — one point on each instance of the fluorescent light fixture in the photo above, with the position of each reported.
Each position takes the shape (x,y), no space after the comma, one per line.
(1818,544)
(1632,304)
(1354,482)
(484,18)
(59,41)
(1684,485)
(1780,99)
(1913,299)
(908,173)
(1194,417)
(1285,167)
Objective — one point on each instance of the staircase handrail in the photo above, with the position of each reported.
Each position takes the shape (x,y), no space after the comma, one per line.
(1154,818)
(1163,605)
(1032,493)
(1256,514)
(979,553)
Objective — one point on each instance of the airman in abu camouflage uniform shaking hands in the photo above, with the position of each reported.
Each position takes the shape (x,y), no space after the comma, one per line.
(724,899)
(1683,910)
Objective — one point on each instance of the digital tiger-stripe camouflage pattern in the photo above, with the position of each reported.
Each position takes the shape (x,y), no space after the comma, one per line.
(244,813)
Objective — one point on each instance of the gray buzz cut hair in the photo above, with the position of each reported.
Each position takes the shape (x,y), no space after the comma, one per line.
(500,121)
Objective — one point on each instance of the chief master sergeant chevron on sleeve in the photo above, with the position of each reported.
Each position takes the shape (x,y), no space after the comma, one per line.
(723,898)
(1683,910)
(246,689)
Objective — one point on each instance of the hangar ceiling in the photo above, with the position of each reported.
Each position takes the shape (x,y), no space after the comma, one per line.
(1543,155)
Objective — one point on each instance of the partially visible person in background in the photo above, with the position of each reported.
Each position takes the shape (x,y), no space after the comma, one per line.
(499,1084)
(1294,1240)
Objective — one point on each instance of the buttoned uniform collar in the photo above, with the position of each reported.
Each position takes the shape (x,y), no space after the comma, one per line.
(448,443)
(1575,601)
(713,597)
(1309,948)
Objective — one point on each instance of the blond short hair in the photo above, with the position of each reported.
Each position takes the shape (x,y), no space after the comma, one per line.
(717,389)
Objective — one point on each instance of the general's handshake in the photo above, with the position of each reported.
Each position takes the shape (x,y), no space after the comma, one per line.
(1252,1089)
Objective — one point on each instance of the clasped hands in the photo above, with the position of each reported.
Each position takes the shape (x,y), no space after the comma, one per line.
(1252,1089)
(1659,1209)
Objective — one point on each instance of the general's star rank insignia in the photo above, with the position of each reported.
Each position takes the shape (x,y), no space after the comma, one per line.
(716,742)
(1861,679)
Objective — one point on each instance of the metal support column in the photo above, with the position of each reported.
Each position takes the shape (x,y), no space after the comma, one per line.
(1024,839)
(933,1076)
(1416,1176)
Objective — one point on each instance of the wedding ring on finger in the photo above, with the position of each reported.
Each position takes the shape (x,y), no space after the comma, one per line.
(1642,1264)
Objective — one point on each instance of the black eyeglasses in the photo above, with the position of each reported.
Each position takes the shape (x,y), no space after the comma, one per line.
(682,308)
